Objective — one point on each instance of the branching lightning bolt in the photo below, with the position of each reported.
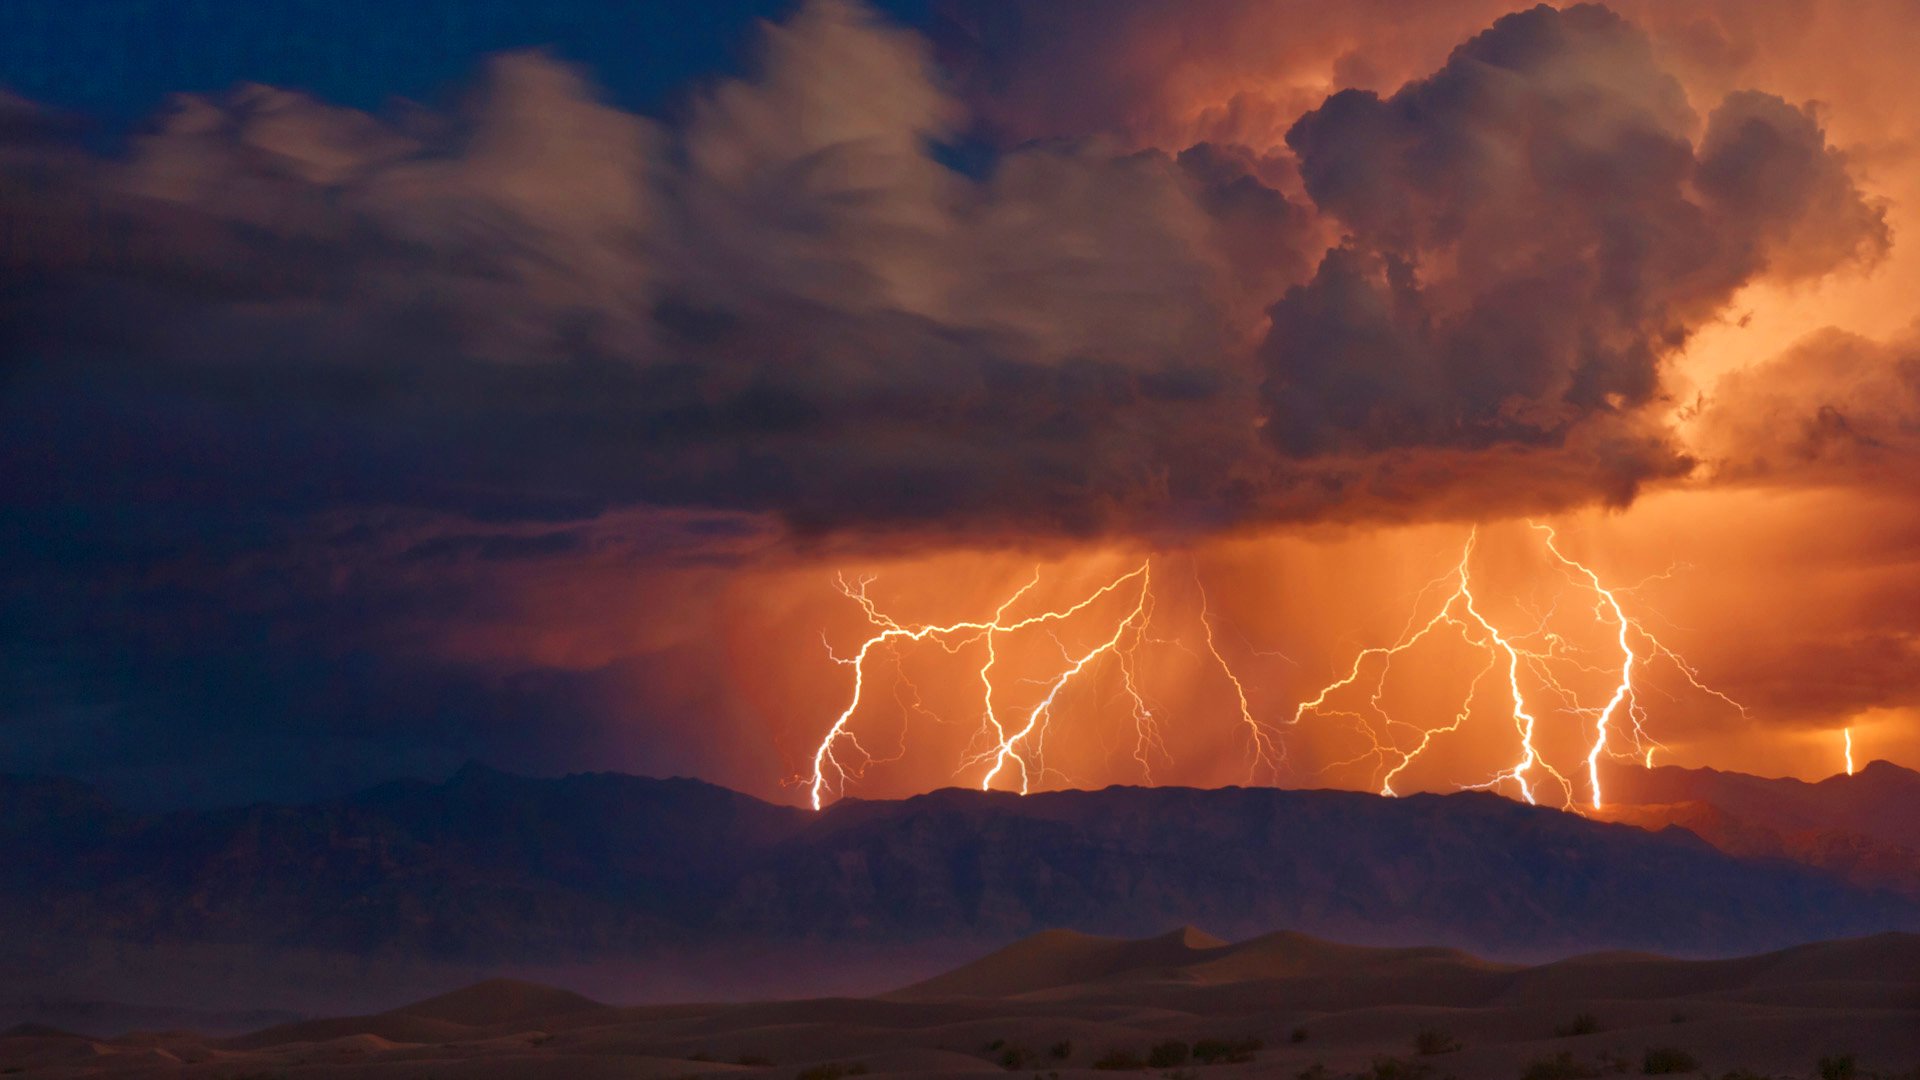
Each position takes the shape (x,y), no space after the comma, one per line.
(1011,752)
(1266,750)
(1620,720)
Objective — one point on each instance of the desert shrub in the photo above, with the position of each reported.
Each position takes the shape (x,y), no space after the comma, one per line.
(1561,1066)
(1226,1051)
(1743,1074)
(1584,1024)
(1299,1035)
(1168,1055)
(1119,1060)
(1838,1067)
(1667,1059)
(1392,1068)
(831,1070)
(1315,1071)
(1434,1041)
(1060,1051)
(1014,1057)
(753,1059)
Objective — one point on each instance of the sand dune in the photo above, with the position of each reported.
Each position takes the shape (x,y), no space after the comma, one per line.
(499,1001)
(1076,1005)
(1064,957)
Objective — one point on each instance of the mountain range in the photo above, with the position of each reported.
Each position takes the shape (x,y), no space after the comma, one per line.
(490,870)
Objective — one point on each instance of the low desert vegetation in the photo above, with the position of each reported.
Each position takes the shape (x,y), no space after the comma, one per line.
(1668,1059)
(1433,1041)
(832,1070)
(1393,1068)
(1119,1061)
(1561,1066)
(1584,1024)
(1014,1057)
(1838,1067)
(1060,1051)
(1227,1051)
(1168,1055)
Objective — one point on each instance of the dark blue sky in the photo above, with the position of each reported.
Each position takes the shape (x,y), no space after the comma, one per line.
(116,59)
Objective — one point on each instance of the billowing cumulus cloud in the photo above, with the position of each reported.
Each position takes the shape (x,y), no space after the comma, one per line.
(1835,409)
(788,302)
(1530,232)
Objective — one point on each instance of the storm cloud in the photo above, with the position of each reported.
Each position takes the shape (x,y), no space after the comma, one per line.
(1531,231)
(788,302)
(414,431)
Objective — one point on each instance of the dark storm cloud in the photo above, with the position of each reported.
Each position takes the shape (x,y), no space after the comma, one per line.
(1531,232)
(291,392)
(787,303)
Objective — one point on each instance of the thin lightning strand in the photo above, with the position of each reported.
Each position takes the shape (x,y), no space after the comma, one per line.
(1265,749)
(1460,599)
(1621,691)
(1524,721)
(1037,718)
(1848,734)
(1625,692)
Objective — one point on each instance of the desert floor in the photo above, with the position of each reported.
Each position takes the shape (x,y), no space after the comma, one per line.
(1067,1005)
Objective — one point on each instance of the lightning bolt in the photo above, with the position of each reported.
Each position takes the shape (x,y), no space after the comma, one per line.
(1010,751)
(1266,750)
(828,767)
(1534,659)
(1620,720)
(1847,733)
(1008,748)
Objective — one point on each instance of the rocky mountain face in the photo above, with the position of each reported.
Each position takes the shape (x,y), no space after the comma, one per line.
(490,866)
(1864,829)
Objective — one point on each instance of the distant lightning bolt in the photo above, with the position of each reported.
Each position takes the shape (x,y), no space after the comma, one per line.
(830,770)
(1524,722)
(1461,613)
(1265,750)
(1848,734)
(1011,752)
(1623,690)
(1008,749)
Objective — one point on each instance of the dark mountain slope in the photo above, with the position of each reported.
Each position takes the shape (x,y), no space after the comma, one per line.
(489,867)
